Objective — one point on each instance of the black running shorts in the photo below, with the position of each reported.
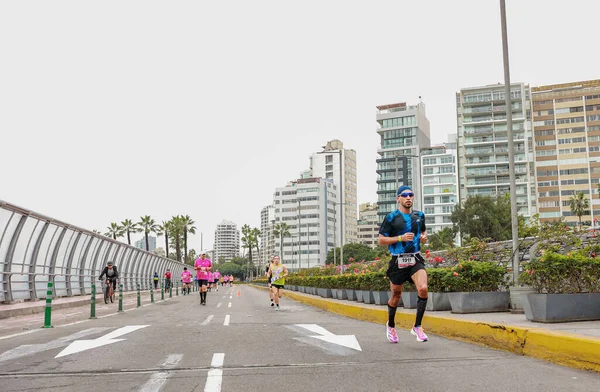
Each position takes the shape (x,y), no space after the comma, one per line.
(400,275)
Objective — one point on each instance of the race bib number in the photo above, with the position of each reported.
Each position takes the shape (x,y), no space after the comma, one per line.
(406,261)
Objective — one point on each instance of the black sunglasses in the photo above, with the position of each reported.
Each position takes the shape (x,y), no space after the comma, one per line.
(410,194)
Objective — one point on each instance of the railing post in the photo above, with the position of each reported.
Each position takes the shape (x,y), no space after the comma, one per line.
(48,314)
(139,303)
(120,298)
(177,289)
(93,303)
(162,292)
(171,291)
(152,294)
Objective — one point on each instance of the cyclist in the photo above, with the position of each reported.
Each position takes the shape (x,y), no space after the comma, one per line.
(155,278)
(111,273)
(186,278)
(168,276)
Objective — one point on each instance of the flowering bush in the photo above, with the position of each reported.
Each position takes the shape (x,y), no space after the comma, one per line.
(553,273)
(474,276)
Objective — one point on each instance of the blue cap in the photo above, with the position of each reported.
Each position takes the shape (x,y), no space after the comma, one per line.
(402,189)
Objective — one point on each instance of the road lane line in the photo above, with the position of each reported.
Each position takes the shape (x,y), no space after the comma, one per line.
(229,306)
(157,380)
(215,374)
(231,296)
(226,322)
(219,305)
(205,322)
(224,296)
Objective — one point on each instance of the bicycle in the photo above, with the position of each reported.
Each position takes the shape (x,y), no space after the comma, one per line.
(108,292)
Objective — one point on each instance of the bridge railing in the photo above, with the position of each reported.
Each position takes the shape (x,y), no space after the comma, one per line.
(36,249)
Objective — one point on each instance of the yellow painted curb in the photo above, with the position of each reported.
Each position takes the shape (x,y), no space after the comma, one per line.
(565,349)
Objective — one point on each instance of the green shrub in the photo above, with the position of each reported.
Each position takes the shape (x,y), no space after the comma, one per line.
(554,273)
(474,276)
(437,279)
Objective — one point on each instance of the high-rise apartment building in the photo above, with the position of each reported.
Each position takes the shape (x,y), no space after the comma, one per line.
(267,241)
(141,243)
(368,225)
(307,208)
(440,184)
(339,164)
(404,131)
(483,144)
(227,242)
(566,125)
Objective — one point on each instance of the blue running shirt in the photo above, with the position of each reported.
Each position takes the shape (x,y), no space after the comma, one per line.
(397,223)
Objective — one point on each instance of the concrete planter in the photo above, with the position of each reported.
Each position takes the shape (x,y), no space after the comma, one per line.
(518,295)
(359,295)
(334,293)
(300,289)
(368,297)
(480,302)
(350,294)
(558,308)
(325,293)
(438,302)
(381,297)
(341,294)
(409,299)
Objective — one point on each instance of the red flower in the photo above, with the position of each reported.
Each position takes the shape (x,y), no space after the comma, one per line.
(376,258)
(455,274)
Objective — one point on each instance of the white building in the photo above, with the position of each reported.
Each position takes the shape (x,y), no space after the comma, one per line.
(306,207)
(141,243)
(227,242)
(368,225)
(483,144)
(339,164)
(267,241)
(404,131)
(440,184)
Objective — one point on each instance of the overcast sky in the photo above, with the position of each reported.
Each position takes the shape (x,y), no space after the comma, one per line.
(116,109)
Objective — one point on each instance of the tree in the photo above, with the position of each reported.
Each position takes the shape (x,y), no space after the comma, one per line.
(483,217)
(232,269)
(160,252)
(443,239)
(281,230)
(129,227)
(579,206)
(191,257)
(114,230)
(177,225)
(164,229)
(188,227)
(250,241)
(356,251)
(147,225)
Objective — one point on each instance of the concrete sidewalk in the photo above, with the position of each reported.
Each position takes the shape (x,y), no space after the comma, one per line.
(39,306)
(572,344)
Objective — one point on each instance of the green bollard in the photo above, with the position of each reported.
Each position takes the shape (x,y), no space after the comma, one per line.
(120,298)
(162,292)
(93,303)
(138,296)
(170,291)
(48,315)
(151,295)
(177,289)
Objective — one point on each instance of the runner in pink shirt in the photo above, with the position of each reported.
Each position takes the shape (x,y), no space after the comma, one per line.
(211,278)
(186,278)
(217,277)
(225,280)
(202,267)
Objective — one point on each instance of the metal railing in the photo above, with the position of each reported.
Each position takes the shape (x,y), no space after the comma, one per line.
(36,249)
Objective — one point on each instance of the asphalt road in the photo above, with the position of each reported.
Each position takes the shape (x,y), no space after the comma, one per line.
(240,343)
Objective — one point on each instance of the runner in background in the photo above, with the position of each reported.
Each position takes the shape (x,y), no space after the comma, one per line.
(186,278)
(278,273)
(202,267)
(269,280)
(225,280)
(211,278)
(217,278)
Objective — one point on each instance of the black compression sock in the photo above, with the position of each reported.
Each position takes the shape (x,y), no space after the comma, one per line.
(421,305)
(391,316)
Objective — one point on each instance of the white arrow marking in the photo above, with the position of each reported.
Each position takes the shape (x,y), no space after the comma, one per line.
(82,345)
(341,340)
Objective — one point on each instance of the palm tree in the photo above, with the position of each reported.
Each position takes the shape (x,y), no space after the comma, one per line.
(247,243)
(164,228)
(188,227)
(147,225)
(255,239)
(281,230)
(176,227)
(579,205)
(114,230)
(129,227)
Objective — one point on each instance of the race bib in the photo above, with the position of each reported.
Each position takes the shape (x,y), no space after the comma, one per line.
(406,260)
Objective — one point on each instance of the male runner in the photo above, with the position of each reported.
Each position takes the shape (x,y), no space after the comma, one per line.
(403,232)
(217,277)
(269,280)
(186,278)
(203,266)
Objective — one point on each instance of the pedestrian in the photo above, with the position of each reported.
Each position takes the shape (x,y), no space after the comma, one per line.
(155,279)
(278,273)
(203,266)
(403,231)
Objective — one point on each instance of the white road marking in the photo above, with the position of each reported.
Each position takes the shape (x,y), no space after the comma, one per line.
(30,349)
(226,322)
(219,305)
(205,322)
(231,296)
(158,379)
(215,374)
(229,306)
(72,314)
(82,345)
(224,296)
(349,341)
